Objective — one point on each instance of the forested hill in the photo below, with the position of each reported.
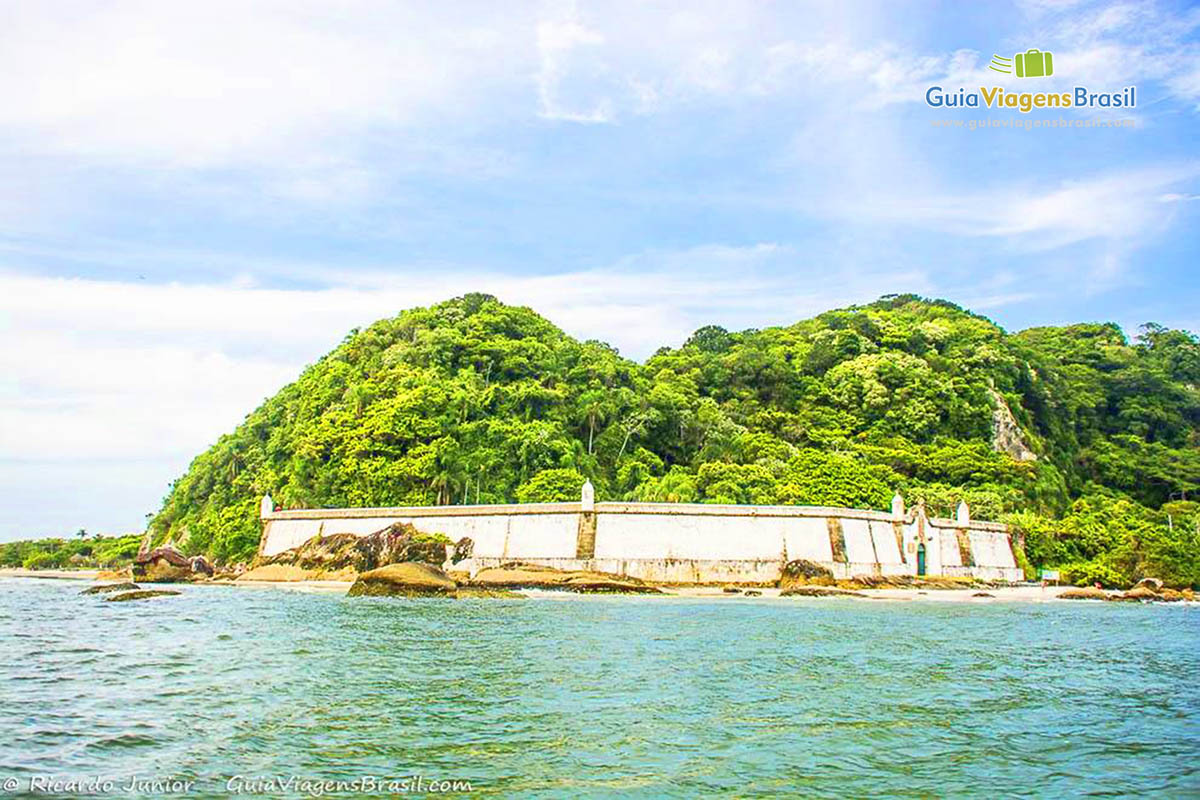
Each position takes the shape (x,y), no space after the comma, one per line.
(1088,442)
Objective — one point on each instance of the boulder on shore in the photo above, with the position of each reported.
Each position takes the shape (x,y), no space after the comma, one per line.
(804,573)
(1153,584)
(1084,593)
(396,544)
(140,594)
(163,565)
(105,588)
(408,579)
(517,575)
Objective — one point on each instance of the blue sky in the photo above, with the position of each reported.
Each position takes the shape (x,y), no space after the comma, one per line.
(196,201)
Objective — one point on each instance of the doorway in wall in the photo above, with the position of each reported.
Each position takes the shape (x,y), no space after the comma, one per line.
(921,558)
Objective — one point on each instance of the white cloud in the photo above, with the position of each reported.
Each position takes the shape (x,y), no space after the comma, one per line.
(134,370)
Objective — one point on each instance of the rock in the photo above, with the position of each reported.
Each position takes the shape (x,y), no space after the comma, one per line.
(819,591)
(162,565)
(140,594)
(409,579)
(111,587)
(731,590)
(480,591)
(201,566)
(1084,593)
(983,594)
(518,575)
(1172,596)
(752,593)
(1138,593)
(123,574)
(1153,584)
(803,573)
(463,549)
(396,544)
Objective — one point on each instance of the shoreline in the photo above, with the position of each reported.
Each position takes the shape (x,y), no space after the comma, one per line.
(1023,593)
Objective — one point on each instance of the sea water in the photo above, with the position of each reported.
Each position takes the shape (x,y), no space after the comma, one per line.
(262,692)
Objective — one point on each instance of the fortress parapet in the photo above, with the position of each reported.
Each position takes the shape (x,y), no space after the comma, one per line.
(684,543)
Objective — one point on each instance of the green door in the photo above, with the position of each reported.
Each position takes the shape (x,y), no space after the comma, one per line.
(921,559)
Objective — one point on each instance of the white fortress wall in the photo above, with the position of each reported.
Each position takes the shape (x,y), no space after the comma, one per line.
(542,529)
(808,538)
(680,543)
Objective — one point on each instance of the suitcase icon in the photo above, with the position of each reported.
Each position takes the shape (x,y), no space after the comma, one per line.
(1034,64)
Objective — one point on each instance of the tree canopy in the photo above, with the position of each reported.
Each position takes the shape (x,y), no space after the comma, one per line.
(474,401)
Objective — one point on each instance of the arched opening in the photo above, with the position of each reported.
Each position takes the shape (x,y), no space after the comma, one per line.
(921,558)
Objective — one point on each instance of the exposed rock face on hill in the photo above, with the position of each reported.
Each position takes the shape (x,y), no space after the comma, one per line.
(1007,436)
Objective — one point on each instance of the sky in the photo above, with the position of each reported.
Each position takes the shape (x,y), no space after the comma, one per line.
(198,199)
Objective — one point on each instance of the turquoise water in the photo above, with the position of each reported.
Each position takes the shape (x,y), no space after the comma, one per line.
(601,696)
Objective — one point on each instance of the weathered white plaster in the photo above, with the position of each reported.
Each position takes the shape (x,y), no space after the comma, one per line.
(675,542)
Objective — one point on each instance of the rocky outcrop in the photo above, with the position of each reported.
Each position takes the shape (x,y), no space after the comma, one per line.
(409,579)
(140,594)
(395,544)
(480,591)
(1084,593)
(111,587)
(804,573)
(464,548)
(168,565)
(1150,590)
(201,566)
(819,591)
(1007,436)
(518,575)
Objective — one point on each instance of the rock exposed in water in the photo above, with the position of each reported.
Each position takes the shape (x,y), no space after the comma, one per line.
(1084,593)
(804,573)
(111,587)
(518,575)
(409,579)
(396,544)
(1138,592)
(480,591)
(819,591)
(140,594)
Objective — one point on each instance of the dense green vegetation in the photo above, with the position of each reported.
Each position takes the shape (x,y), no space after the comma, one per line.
(81,552)
(473,401)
